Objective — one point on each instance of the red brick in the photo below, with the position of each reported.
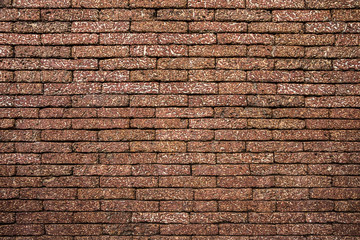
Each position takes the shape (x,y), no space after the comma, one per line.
(42,4)
(160,217)
(13,14)
(128,38)
(223,194)
(185,14)
(42,51)
(332,101)
(43,217)
(217,26)
(273,4)
(18,158)
(101,217)
(142,229)
(305,206)
(217,51)
(20,205)
(266,27)
(186,158)
(69,14)
(129,205)
(301,15)
(237,112)
(246,181)
(127,63)
(68,158)
(274,146)
(331,4)
(19,135)
(48,170)
(186,63)
(23,229)
(245,158)
(159,50)
(244,206)
(106,193)
(346,15)
(99,100)
(15,182)
(216,4)
(40,27)
(335,193)
(300,229)
(305,39)
(242,15)
(158,75)
(243,135)
(71,181)
(47,193)
(164,194)
(159,26)
(303,181)
(67,64)
(217,123)
(97,4)
(276,218)
(245,38)
(281,194)
(101,146)
(189,229)
(100,52)
(247,88)
(244,63)
(73,229)
(275,101)
(216,146)
(7,218)
(69,39)
(101,76)
(128,181)
(276,76)
(246,229)
(20,64)
(187,181)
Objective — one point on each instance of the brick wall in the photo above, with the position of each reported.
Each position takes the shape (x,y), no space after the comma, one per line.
(200,119)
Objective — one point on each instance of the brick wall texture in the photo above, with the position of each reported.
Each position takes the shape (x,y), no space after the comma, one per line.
(180,119)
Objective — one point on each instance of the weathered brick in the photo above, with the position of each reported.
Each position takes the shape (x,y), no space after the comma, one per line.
(185,14)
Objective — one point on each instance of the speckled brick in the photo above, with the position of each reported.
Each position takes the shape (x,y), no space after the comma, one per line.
(179,119)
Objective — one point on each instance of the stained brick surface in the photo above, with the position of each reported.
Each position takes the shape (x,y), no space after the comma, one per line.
(179,119)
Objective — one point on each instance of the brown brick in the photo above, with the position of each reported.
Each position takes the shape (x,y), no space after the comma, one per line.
(187,181)
(185,14)
(129,205)
(159,51)
(128,38)
(301,15)
(217,26)
(189,229)
(127,63)
(223,194)
(99,52)
(166,218)
(73,229)
(216,4)
(247,229)
(164,194)
(159,26)
(281,194)
(42,4)
(242,15)
(92,27)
